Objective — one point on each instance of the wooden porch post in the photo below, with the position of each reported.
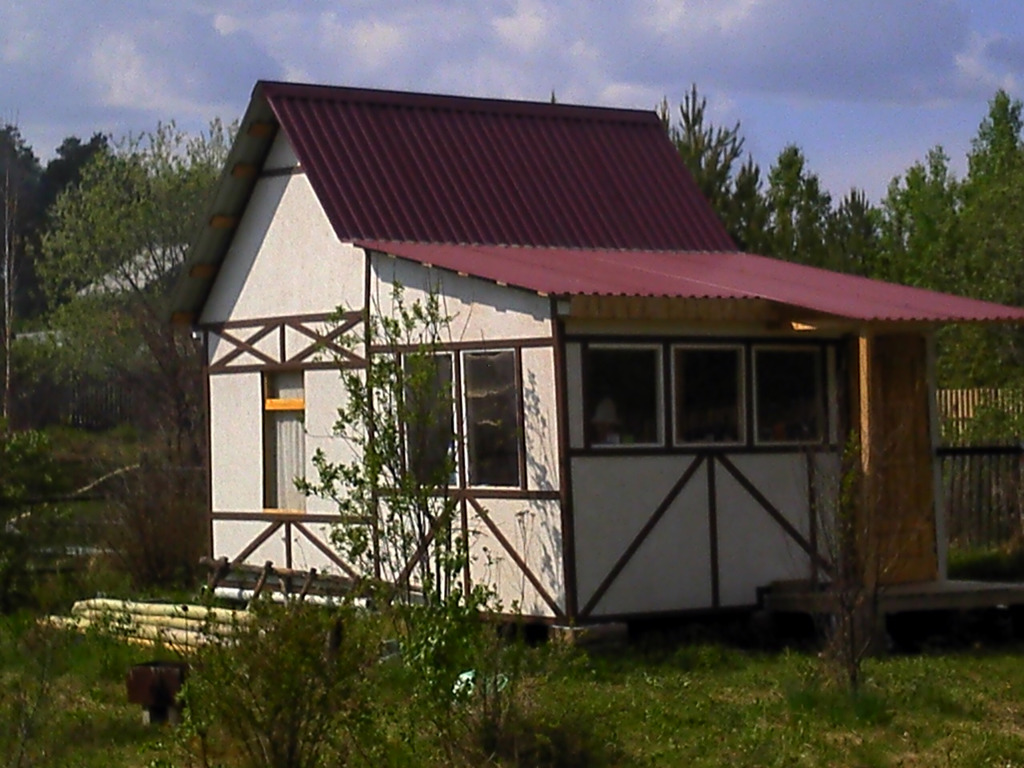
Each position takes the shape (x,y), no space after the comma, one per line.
(899,526)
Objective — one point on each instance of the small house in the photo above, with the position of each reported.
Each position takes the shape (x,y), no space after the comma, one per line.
(675,412)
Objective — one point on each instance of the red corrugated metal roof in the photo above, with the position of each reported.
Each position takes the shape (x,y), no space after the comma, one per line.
(689,274)
(417,167)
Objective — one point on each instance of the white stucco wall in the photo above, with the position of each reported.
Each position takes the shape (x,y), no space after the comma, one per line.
(306,555)
(232,536)
(540,414)
(613,498)
(753,549)
(236,442)
(281,154)
(479,309)
(285,259)
(574,393)
(325,393)
(533,528)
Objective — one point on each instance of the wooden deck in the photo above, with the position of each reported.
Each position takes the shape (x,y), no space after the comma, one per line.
(902,598)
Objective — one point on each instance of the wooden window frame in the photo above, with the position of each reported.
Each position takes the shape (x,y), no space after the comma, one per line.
(464,452)
(742,383)
(822,384)
(660,405)
(453,394)
(280,405)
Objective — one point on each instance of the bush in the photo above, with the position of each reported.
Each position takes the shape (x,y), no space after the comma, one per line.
(27,478)
(285,690)
(156,526)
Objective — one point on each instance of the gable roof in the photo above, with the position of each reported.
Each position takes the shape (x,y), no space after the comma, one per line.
(700,275)
(445,169)
(560,199)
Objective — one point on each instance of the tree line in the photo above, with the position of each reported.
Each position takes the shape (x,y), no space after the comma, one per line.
(931,229)
(92,240)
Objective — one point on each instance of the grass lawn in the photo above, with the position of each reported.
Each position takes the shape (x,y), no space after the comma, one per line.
(691,705)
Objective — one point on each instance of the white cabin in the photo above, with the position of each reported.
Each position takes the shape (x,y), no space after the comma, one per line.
(677,410)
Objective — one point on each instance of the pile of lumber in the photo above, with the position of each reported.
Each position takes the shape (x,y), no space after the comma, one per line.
(174,625)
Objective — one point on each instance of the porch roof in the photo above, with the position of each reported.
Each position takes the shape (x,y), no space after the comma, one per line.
(698,275)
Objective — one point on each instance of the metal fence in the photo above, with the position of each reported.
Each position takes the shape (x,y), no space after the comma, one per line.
(983,494)
(84,403)
(981,461)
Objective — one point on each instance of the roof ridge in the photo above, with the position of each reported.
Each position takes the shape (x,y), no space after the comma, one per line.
(548,246)
(452,102)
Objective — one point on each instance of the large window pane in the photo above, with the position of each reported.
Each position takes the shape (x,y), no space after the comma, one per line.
(492,425)
(708,395)
(429,425)
(788,395)
(623,395)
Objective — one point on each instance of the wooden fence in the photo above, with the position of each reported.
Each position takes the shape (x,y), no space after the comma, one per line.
(987,414)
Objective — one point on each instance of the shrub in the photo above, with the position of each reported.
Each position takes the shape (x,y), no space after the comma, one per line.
(284,690)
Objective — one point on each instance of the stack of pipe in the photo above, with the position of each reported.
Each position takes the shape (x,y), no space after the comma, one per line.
(174,625)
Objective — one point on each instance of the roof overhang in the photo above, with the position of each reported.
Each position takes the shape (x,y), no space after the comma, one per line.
(252,143)
(801,297)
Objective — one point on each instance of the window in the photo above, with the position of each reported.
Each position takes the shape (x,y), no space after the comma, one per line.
(429,426)
(788,399)
(492,423)
(623,395)
(284,455)
(708,389)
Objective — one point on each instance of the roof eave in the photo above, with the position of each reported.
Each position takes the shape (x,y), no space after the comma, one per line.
(216,231)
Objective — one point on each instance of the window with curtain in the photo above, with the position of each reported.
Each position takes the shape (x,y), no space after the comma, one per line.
(624,395)
(284,457)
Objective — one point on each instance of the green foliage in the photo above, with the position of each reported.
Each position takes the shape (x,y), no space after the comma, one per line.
(400,529)
(855,234)
(714,156)
(27,478)
(118,238)
(396,508)
(800,211)
(697,706)
(286,690)
(920,231)
(25,709)
(116,243)
(1005,564)
(931,230)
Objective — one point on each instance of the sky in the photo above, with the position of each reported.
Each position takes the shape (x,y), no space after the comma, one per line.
(864,87)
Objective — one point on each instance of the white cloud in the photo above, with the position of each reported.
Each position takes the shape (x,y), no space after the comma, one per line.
(376,43)
(977,73)
(119,71)
(226,24)
(526,30)
(77,68)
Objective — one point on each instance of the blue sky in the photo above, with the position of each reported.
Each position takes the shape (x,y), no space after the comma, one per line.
(865,87)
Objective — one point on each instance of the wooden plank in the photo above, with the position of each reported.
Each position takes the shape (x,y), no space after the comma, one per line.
(202,271)
(898,531)
(672,309)
(244,171)
(223,221)
(284,404)
(261,130)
